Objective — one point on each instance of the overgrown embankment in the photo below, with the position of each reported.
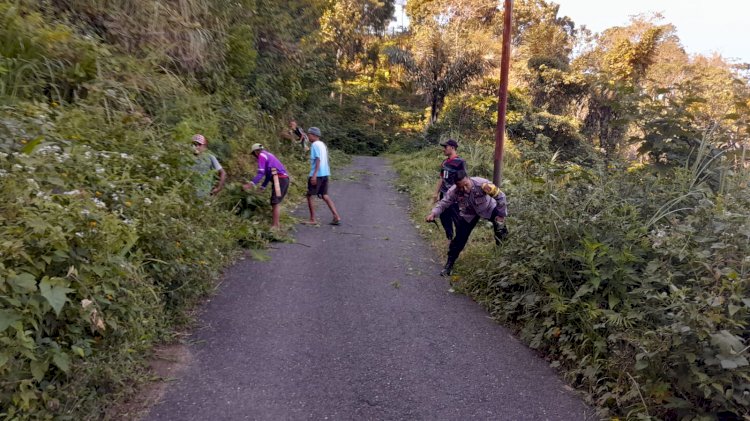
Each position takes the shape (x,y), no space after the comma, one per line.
(103,241)
(630,280)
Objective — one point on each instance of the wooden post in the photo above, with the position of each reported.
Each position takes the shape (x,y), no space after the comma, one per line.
(502,103)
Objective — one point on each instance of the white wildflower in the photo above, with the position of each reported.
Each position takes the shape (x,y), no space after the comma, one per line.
(32,183)
(17,167)
(99,203)
(3,155)
(79,234)
(72,193)
(85,212)
(147,201)
(99,170)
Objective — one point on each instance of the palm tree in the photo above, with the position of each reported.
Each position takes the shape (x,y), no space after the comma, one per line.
(437,68)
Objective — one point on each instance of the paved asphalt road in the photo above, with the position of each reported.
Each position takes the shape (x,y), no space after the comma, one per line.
(353,322)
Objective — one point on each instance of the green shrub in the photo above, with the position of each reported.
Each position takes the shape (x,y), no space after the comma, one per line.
(633,282)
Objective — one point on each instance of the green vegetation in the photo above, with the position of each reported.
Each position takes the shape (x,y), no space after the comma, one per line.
(627,180)
(626,176)
(104,246)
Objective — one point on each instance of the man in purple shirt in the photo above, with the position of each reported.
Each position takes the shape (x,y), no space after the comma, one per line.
(270,169)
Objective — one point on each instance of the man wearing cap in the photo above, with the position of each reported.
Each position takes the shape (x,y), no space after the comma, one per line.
(317,183)
(270,169)
(207,166)
(297,133)
(476,198)
(448,169)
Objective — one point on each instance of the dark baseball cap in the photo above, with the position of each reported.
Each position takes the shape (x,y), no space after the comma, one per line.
(449,142)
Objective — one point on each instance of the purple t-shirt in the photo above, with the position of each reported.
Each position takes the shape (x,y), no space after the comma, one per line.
(266,161)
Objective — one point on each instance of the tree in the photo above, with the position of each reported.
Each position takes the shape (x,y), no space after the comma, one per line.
(617,68)
(437,66)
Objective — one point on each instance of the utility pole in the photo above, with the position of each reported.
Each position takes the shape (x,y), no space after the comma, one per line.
(502,103)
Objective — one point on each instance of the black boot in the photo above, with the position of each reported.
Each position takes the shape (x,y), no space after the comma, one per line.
(500,231)
(448,268)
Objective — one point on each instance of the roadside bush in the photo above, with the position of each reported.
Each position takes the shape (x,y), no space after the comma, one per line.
(633,282)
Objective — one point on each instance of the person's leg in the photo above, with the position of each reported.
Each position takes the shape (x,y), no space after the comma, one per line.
(311,207)
(276,201)
(446,220)
(332,207)
(463,231)
(276,214)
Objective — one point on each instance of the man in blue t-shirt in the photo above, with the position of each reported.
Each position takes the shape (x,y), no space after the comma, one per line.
(320,170)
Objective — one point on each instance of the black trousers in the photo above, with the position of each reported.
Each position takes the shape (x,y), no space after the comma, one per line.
(463,231)
(449,218)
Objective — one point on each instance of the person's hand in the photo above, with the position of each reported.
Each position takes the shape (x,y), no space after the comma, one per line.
(215,191)
(500,219)
(247,186)
(430,217)
(314,181)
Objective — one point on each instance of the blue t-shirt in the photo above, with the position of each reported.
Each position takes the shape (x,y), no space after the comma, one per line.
(319,150)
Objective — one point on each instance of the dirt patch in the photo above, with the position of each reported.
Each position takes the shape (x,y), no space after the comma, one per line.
(164,366)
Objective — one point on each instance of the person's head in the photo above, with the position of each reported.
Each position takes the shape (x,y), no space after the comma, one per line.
(313,133)
(463,181)
(450,147)
(292,124)
(200,144)
(256,149)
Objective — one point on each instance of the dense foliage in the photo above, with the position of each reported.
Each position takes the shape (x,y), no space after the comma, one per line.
(104,243)
(627,180)
(626,174)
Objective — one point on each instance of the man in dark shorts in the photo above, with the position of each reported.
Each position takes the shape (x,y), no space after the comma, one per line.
(448,169)
(270,169)
(320,170)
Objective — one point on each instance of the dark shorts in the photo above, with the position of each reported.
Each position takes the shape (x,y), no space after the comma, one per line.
(320,189)
(283,186)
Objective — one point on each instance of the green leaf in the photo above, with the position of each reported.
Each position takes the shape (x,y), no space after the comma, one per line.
(613,301)
(733,309)
(29,148)
(583,290)
(39,369)
(62,361)
(641,365)
(51,289)
(23,282)
(729,362)
(78,351)
(727,342)
(3,359)
(7,318)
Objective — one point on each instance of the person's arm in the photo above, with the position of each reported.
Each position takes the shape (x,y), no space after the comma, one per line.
(436,195)
(502,206)
(222,174)
(314,178)
(220,184)
(443,204)
(262,158)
